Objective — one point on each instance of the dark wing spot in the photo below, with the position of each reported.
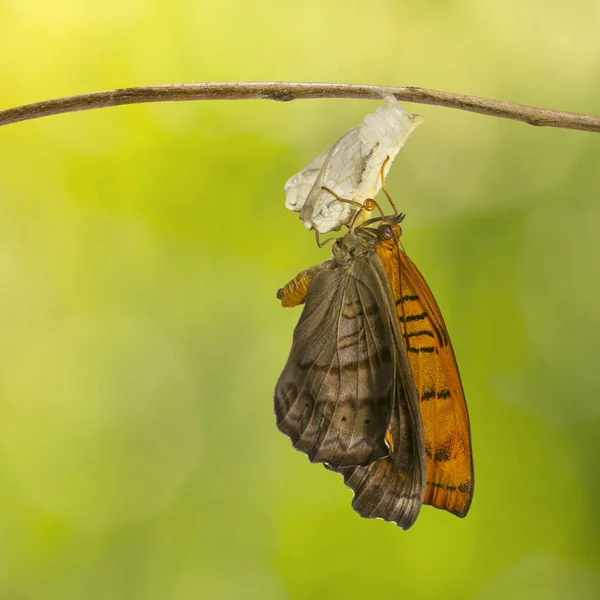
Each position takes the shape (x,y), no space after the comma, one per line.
(420,333)
(441,486)
(406,298)
(410,318)
(442,454)
(428,395)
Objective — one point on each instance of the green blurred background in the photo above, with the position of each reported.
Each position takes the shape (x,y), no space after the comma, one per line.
(140,251)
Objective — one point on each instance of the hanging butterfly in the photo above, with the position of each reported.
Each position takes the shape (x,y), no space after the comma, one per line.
(371,388)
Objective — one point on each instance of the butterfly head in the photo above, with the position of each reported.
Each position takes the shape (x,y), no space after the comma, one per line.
(366,236)
(389,228)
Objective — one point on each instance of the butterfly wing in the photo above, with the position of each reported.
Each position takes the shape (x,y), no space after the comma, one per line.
(391,488)
(333,398)
(441,397)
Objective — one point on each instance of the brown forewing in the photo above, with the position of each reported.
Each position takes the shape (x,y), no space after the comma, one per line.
(333,396)
(346,396)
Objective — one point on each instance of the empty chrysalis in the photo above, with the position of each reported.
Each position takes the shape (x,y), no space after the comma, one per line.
(350,167)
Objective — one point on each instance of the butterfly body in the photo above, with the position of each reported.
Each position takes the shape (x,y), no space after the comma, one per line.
(365,358)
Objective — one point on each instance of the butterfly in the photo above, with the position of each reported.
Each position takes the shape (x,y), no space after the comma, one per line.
(371,387)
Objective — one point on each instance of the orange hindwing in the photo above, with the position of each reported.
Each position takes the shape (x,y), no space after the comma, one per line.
(441,397)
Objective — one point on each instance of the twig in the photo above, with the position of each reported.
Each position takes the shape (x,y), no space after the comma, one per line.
(282,91)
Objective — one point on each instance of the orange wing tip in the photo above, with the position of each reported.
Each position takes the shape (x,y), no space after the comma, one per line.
(454,499)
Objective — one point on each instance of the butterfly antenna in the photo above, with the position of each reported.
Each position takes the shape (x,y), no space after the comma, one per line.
(371,205)
(383,189)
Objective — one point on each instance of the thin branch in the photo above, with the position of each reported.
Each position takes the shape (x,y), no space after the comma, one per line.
(281,91)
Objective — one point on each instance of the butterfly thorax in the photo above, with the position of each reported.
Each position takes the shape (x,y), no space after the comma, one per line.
(358,243)
(363,240)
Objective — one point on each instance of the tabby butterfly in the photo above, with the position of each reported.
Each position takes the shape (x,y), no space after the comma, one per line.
(371,388)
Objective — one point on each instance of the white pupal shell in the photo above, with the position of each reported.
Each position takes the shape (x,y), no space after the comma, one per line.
(351,168)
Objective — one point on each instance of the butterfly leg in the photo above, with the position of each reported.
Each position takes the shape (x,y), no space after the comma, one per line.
(340,199)
(383,189)
(320,243)
(360,206)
